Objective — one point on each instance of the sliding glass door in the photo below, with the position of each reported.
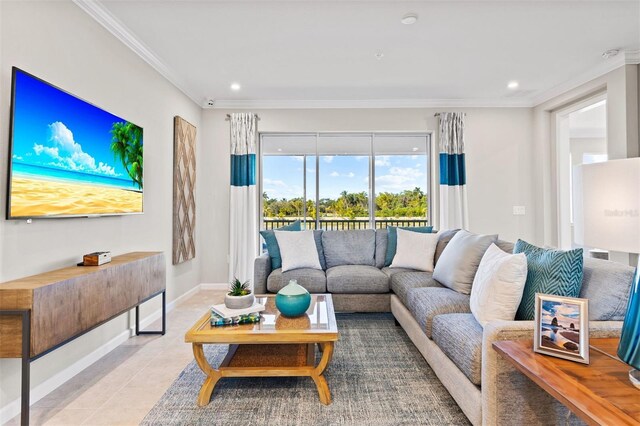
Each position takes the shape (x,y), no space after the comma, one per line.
(345,180)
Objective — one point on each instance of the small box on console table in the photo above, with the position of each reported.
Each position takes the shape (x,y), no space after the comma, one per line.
(97,258)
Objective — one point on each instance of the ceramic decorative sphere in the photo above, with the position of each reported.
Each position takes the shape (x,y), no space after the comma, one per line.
(293,300)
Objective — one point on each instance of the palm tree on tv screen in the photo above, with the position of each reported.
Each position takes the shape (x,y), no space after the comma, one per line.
(126,145)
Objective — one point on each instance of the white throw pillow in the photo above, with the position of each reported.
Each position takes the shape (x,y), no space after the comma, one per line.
(298,250)
(415,250)
(498,285)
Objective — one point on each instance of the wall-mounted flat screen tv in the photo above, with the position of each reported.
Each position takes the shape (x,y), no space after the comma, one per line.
(68,157)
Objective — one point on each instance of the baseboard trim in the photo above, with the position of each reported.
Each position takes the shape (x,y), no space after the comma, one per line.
(157,314)
(214,286)
(12,409)
(37,393)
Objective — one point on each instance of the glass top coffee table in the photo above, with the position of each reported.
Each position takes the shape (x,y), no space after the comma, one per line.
(277,346)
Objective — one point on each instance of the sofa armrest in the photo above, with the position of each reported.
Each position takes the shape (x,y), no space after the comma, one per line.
(509,397)
(261,271)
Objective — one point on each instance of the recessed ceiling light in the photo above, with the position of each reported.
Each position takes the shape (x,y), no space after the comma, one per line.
(513,85)
(610,53)
(279,149)
(235,86)
(415,148)
(410,18)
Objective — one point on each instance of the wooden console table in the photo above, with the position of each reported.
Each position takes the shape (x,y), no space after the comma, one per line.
(38,314)
(599,393)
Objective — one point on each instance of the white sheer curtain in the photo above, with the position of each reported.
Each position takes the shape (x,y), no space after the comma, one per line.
(243,213)
(454,210)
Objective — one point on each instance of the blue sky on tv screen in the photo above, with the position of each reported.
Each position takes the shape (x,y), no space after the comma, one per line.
(57,131)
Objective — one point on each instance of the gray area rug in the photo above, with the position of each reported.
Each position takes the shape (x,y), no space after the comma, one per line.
(376,377)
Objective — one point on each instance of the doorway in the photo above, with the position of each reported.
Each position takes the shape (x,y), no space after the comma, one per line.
(581,138)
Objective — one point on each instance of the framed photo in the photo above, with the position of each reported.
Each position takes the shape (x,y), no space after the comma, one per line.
(562,327)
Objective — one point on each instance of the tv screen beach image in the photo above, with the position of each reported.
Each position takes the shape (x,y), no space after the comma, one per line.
(560,326)
(69,157)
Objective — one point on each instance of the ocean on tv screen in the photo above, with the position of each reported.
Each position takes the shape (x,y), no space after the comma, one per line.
(70,157)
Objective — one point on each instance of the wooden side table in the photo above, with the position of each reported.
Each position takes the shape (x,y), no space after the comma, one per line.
(599,393)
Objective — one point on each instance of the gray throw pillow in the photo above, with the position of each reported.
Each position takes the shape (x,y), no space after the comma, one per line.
(459,261)
(443,239)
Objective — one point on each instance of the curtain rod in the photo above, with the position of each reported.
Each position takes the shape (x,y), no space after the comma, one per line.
(229,117)
(437,114)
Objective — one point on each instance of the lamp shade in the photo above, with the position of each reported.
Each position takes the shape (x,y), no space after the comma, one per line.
(606,205)
(607,215)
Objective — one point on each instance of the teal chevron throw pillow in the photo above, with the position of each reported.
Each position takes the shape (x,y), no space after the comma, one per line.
(549,271)
(392,239)
(272,243)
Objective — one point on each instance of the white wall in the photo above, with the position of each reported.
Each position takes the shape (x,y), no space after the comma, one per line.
(499,165)
(61,44)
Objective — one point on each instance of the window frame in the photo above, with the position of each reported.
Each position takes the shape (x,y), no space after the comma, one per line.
(431,166)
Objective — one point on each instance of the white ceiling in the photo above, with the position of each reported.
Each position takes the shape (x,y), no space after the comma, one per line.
(459,52)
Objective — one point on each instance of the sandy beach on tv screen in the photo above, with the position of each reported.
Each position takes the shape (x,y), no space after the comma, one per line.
(37,197)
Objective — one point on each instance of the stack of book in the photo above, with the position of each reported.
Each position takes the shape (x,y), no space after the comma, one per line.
(221,315)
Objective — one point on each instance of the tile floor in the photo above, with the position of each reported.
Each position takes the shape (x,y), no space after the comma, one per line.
(123,386)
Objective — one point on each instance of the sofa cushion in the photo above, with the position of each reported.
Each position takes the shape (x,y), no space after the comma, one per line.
(443,239)
(381,247)
(357,279)
(392,271)
(403,281)
(425,303)
(459,261)
(549,271)
(313,280)
(354,247)
(606,284)
(459,336)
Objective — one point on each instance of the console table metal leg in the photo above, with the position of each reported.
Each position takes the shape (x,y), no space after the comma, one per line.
(164,312)
(26,368)
(25,356)
(164,318)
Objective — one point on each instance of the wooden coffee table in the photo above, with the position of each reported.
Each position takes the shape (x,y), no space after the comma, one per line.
(277,346)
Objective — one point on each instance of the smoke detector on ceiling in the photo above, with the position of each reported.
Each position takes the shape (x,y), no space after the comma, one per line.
(410,18)
(610,53)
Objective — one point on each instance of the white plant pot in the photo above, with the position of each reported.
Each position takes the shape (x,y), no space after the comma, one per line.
(239,302)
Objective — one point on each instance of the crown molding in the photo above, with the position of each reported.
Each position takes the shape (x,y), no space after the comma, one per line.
(373,103)
(623,58)
(112,24)
(100,14)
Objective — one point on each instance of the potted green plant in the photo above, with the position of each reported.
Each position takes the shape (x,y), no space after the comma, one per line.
(239,295)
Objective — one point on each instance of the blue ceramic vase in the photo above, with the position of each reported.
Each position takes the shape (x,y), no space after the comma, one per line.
(293,300)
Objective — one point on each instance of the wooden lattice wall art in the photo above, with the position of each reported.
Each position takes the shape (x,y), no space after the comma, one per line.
(184,198)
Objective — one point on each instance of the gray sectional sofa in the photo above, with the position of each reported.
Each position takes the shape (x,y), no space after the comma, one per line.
(439,320)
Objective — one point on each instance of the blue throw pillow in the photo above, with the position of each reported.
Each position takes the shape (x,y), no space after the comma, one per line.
(392,239)
(549,271)
(272,243)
